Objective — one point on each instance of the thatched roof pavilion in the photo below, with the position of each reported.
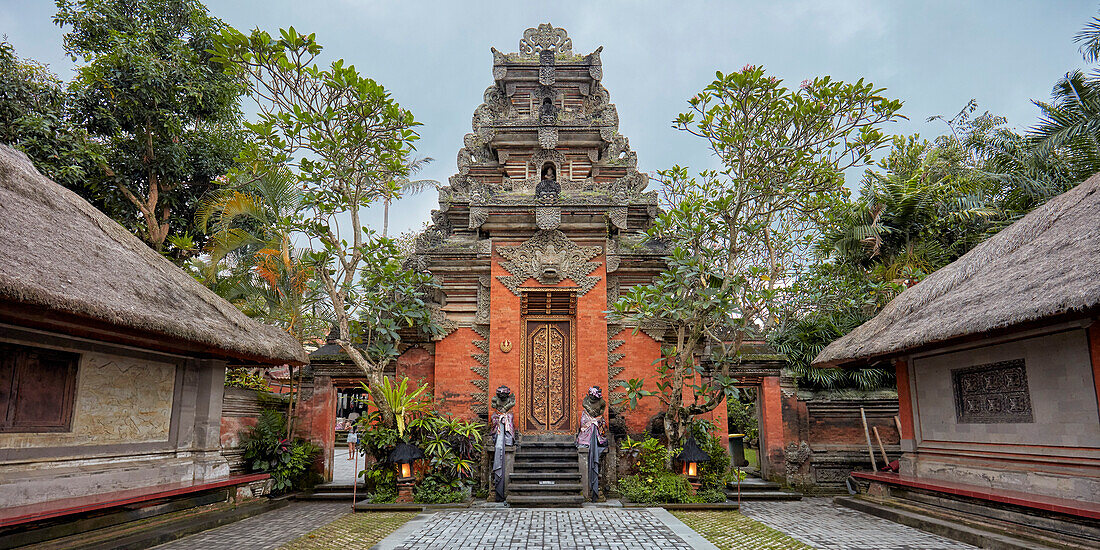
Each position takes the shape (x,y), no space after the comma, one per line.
(66,266)
(1043,267)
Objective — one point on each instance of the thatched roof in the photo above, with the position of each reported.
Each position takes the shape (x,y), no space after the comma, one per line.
(59,255)
(1043,266)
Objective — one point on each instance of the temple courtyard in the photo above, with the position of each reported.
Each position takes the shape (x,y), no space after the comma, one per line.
(809,523)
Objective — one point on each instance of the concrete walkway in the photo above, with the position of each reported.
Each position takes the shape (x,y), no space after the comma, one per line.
(265,531)
(822,524)
(546,529)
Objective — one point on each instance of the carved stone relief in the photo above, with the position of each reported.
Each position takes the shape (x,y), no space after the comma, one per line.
(617,214)
(483,297)
(478,216)
(547,217)
(118,400)
(547,38)
(549,257)
(992,393)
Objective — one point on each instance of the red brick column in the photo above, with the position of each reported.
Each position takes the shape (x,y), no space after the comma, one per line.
(905,405)
(317,421)
(1094,354)
(772,426)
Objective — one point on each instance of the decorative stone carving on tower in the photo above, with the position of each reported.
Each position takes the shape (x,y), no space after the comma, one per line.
(545,38)
(549,257)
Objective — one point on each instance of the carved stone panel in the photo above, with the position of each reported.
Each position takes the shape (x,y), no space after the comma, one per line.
(549,257)
(992,393)
(545,38)
(547,217)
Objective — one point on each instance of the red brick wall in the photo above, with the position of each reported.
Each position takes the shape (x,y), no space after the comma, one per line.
(640,351)
(590,330)
(418,364)
(452,374)
(504,323)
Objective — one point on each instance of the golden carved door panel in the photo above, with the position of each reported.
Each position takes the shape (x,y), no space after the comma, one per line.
(548,376)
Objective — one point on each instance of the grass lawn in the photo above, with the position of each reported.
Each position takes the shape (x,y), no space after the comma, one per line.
(733,531)
(750,457)
(357,530)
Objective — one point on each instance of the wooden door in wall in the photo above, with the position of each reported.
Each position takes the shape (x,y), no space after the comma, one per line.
(548,375)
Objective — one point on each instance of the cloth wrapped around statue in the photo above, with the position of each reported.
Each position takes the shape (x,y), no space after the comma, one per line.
(592,420)
(503,431)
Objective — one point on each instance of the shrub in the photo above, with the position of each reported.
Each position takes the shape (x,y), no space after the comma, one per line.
(653,483)
(267,450)
(451,449)
(712,474)
(243,378)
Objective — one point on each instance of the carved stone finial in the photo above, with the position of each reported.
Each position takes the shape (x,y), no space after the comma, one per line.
(545,37)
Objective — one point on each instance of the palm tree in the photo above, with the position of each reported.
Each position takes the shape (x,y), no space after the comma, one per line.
(902,226)
(395,189)
(254,212)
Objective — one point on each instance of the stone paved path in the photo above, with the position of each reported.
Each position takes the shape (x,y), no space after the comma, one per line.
(343,470)
(265,531)
(822,524)
(539,529)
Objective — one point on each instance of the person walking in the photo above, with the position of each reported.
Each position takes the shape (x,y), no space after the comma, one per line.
(353,439)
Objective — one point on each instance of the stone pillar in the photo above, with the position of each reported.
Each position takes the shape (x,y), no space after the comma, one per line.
(582,463)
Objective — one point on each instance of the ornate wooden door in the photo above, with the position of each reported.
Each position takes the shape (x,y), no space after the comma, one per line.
(548,373)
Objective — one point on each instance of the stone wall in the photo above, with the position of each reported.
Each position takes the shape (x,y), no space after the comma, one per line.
(240,409)
(140,419)
(118,400)
(1052,449)
(814,440)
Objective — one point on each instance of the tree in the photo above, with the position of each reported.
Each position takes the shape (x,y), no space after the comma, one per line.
(161,109)
(345,140)
(398,187)
(35,120)
(736,236)
(1069,125)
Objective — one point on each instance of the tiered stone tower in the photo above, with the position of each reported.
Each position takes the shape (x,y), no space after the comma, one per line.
(534,236)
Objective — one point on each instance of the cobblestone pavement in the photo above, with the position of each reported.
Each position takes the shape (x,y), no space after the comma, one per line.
(267,530)
(822,524)
(535,529)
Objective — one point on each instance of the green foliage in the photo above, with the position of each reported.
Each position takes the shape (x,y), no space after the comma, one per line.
(267,450)
(160,108)
(743,416)
(346,141)
(34,118)
(712,473)
(403,403)
(651,482)
(737,235)
(451,446)
(658,488)
(243,378)
(650,456)
(438,488)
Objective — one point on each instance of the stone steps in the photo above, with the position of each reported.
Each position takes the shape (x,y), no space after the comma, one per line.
(545,501)
(545,473)
(754,488)
(555,465)
(535,477)
(983,533)
(331,491)
(542,488)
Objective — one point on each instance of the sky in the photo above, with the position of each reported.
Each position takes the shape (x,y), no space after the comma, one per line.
(434,57)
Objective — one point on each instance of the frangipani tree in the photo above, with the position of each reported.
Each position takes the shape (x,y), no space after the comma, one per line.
(346,140)
(738,234)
